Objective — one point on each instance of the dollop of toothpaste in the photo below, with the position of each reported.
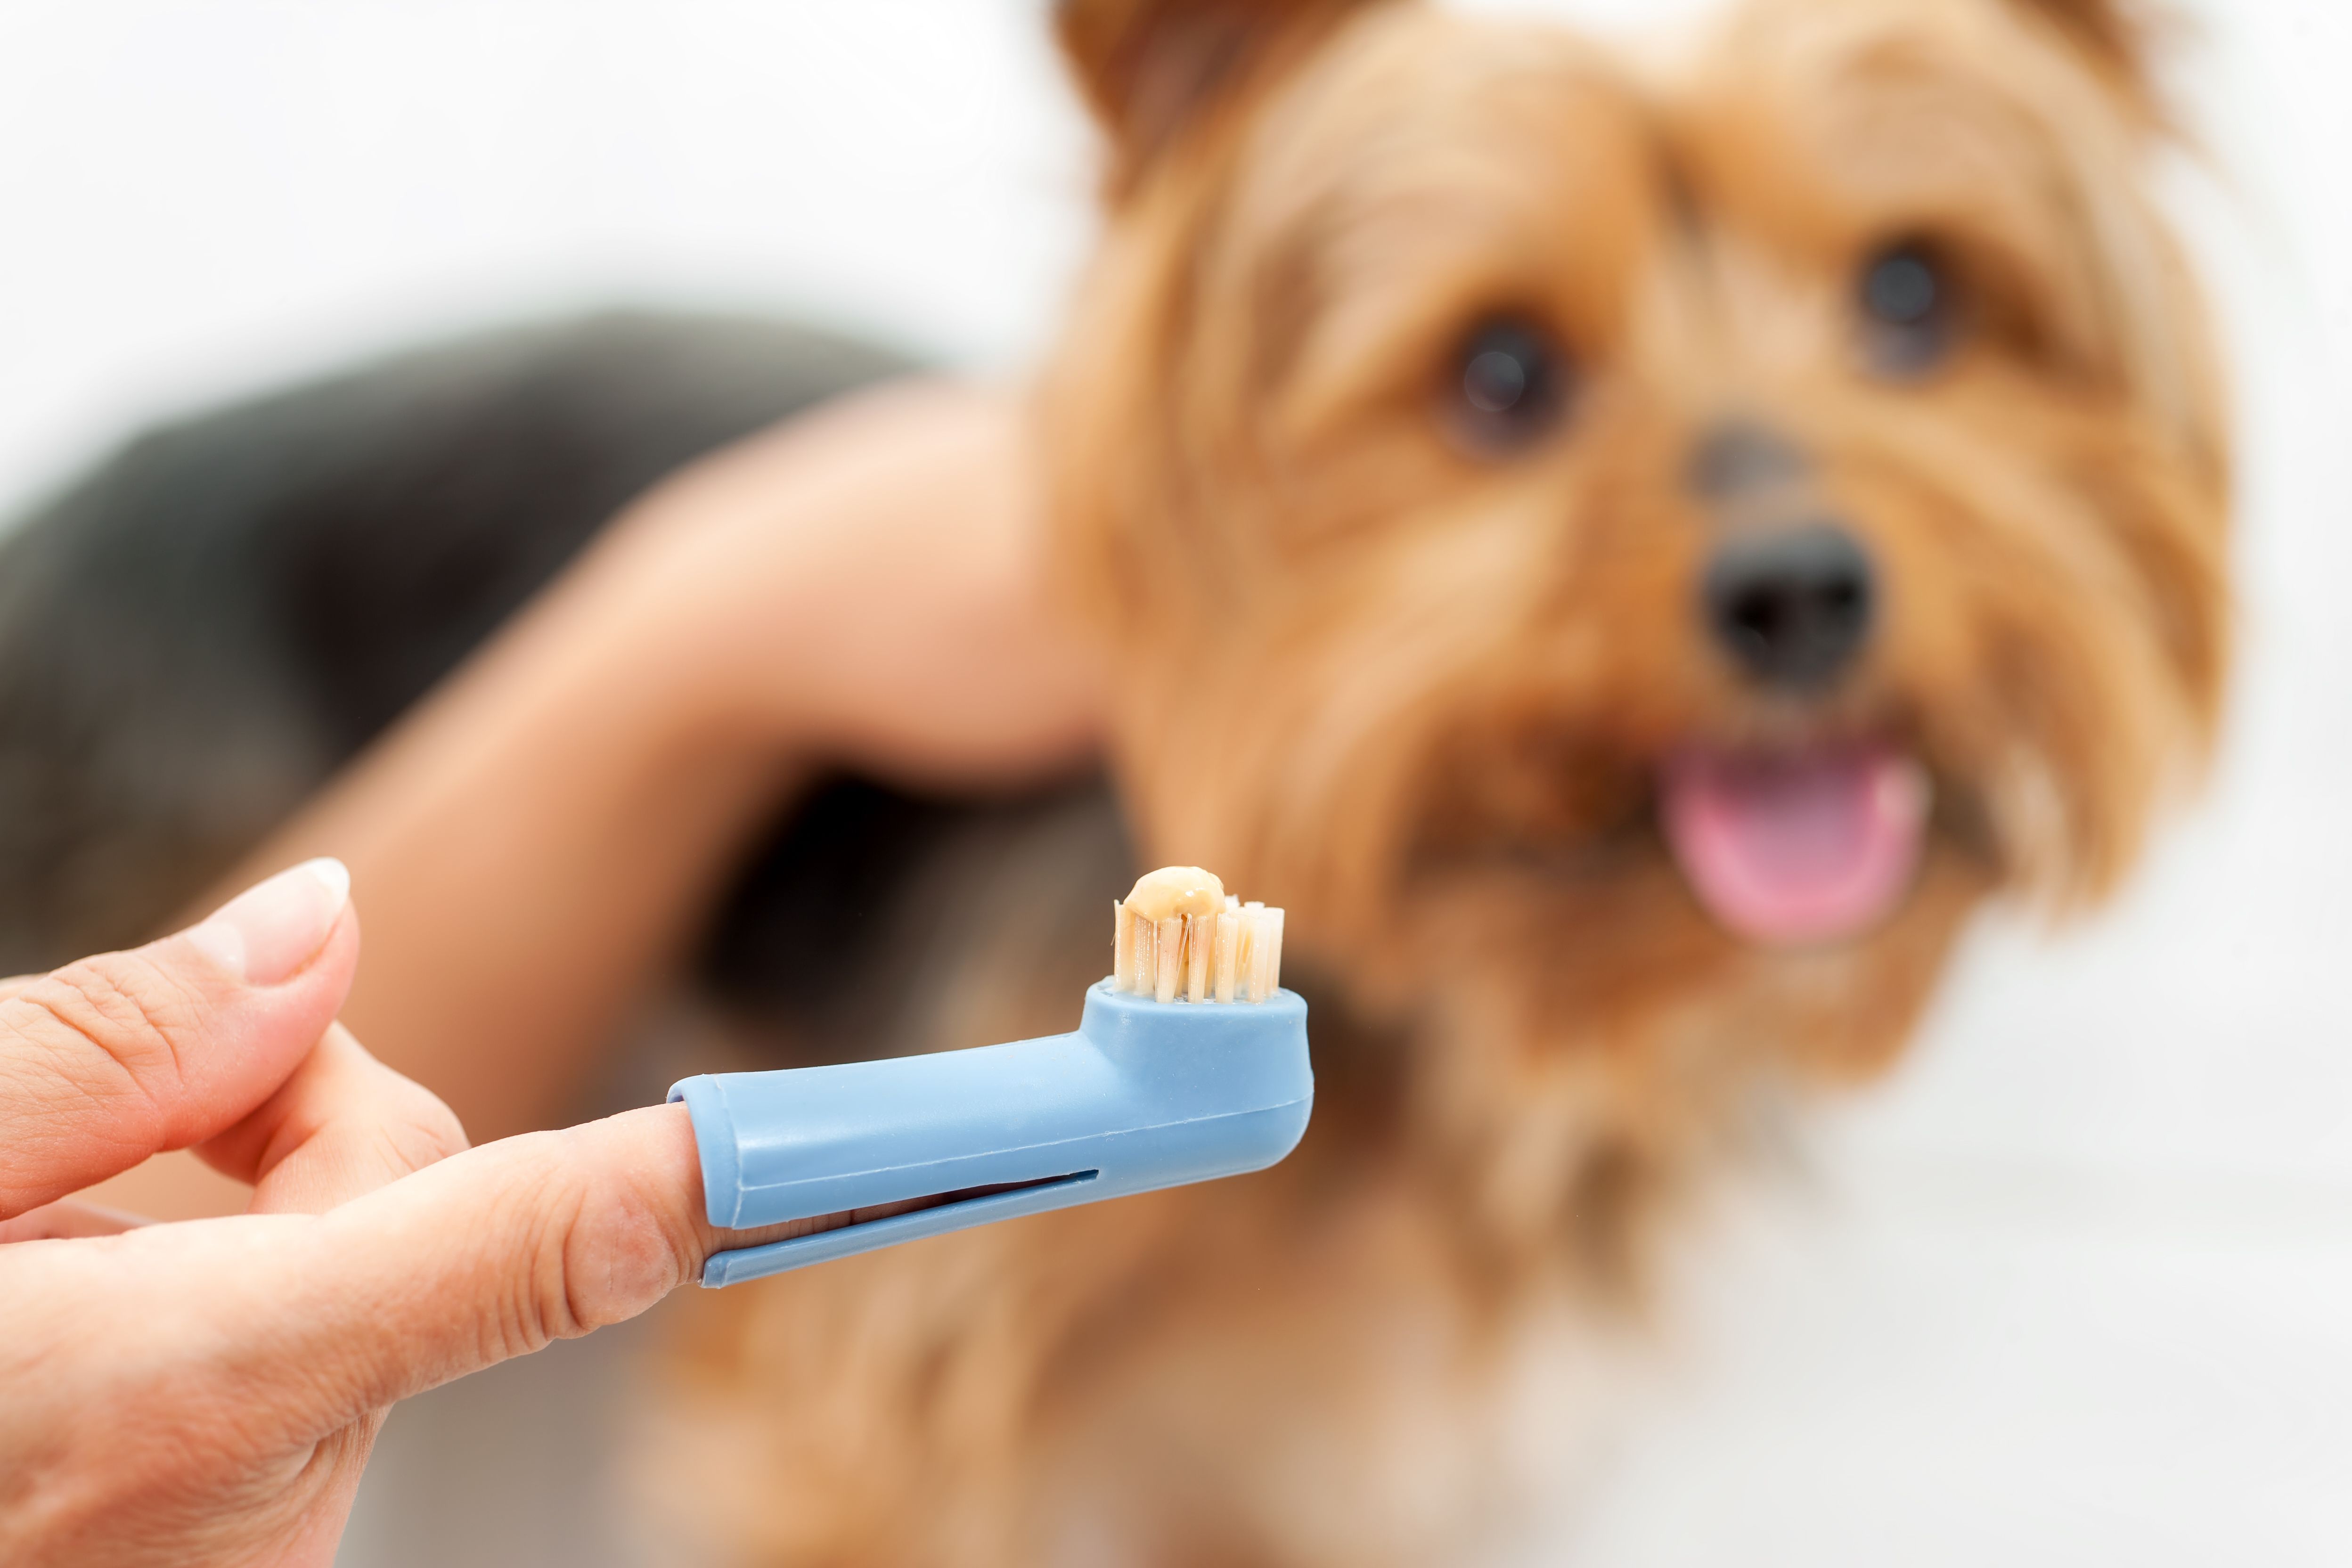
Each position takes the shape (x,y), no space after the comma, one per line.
(1176,891)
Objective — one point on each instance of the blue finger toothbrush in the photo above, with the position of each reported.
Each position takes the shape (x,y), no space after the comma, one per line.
(1189,1063)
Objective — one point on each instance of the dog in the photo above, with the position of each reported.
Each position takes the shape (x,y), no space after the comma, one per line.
(1631,549)
(1629,554)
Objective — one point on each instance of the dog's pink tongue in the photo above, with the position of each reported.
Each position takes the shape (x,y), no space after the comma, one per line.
(1797,849)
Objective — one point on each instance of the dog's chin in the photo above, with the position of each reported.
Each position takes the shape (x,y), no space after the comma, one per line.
(1801,847)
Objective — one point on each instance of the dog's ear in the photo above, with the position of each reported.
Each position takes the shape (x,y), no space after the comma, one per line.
(2119,39)
(1152,69)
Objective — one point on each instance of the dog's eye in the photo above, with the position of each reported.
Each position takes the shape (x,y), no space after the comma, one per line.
(1908,311)
(1509,385)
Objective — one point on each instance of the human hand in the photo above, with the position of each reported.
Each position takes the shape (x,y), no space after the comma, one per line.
(862,586)
(207,1392)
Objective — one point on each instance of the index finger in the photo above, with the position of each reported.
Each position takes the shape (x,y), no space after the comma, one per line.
(488,1254)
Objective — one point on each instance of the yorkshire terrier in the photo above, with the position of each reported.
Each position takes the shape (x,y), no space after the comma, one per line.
(1629,554)
(1631,551)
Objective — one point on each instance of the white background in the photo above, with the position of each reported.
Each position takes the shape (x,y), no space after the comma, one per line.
(2074,1287)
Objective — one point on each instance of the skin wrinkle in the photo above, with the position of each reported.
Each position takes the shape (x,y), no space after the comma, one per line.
(165,1023)
(412,1144)
(541,1297)
(43,1106)
(88,1004)
(73,1020)
(120,1082)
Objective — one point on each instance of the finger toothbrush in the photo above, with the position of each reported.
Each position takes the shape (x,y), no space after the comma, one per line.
(1189,1063)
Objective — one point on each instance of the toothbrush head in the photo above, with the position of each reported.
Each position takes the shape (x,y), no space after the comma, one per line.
(1179,936)
(1159,1086)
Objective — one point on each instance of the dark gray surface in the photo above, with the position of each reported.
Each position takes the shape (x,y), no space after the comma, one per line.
(198,632)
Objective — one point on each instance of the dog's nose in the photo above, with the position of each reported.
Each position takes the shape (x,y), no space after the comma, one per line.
(1792,607)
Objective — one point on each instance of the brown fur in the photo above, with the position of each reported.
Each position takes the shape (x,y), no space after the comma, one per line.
(1416,697)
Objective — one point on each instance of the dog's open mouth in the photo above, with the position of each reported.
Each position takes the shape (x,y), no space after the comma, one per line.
(1797,848)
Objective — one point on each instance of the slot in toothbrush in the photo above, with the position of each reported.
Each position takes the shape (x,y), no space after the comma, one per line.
(1189,1063)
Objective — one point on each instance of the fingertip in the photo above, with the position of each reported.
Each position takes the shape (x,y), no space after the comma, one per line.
(272,932)
(332,875)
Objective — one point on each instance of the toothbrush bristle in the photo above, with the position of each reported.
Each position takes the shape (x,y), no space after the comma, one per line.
(1170,949)
(1229,946)
(1180,934)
